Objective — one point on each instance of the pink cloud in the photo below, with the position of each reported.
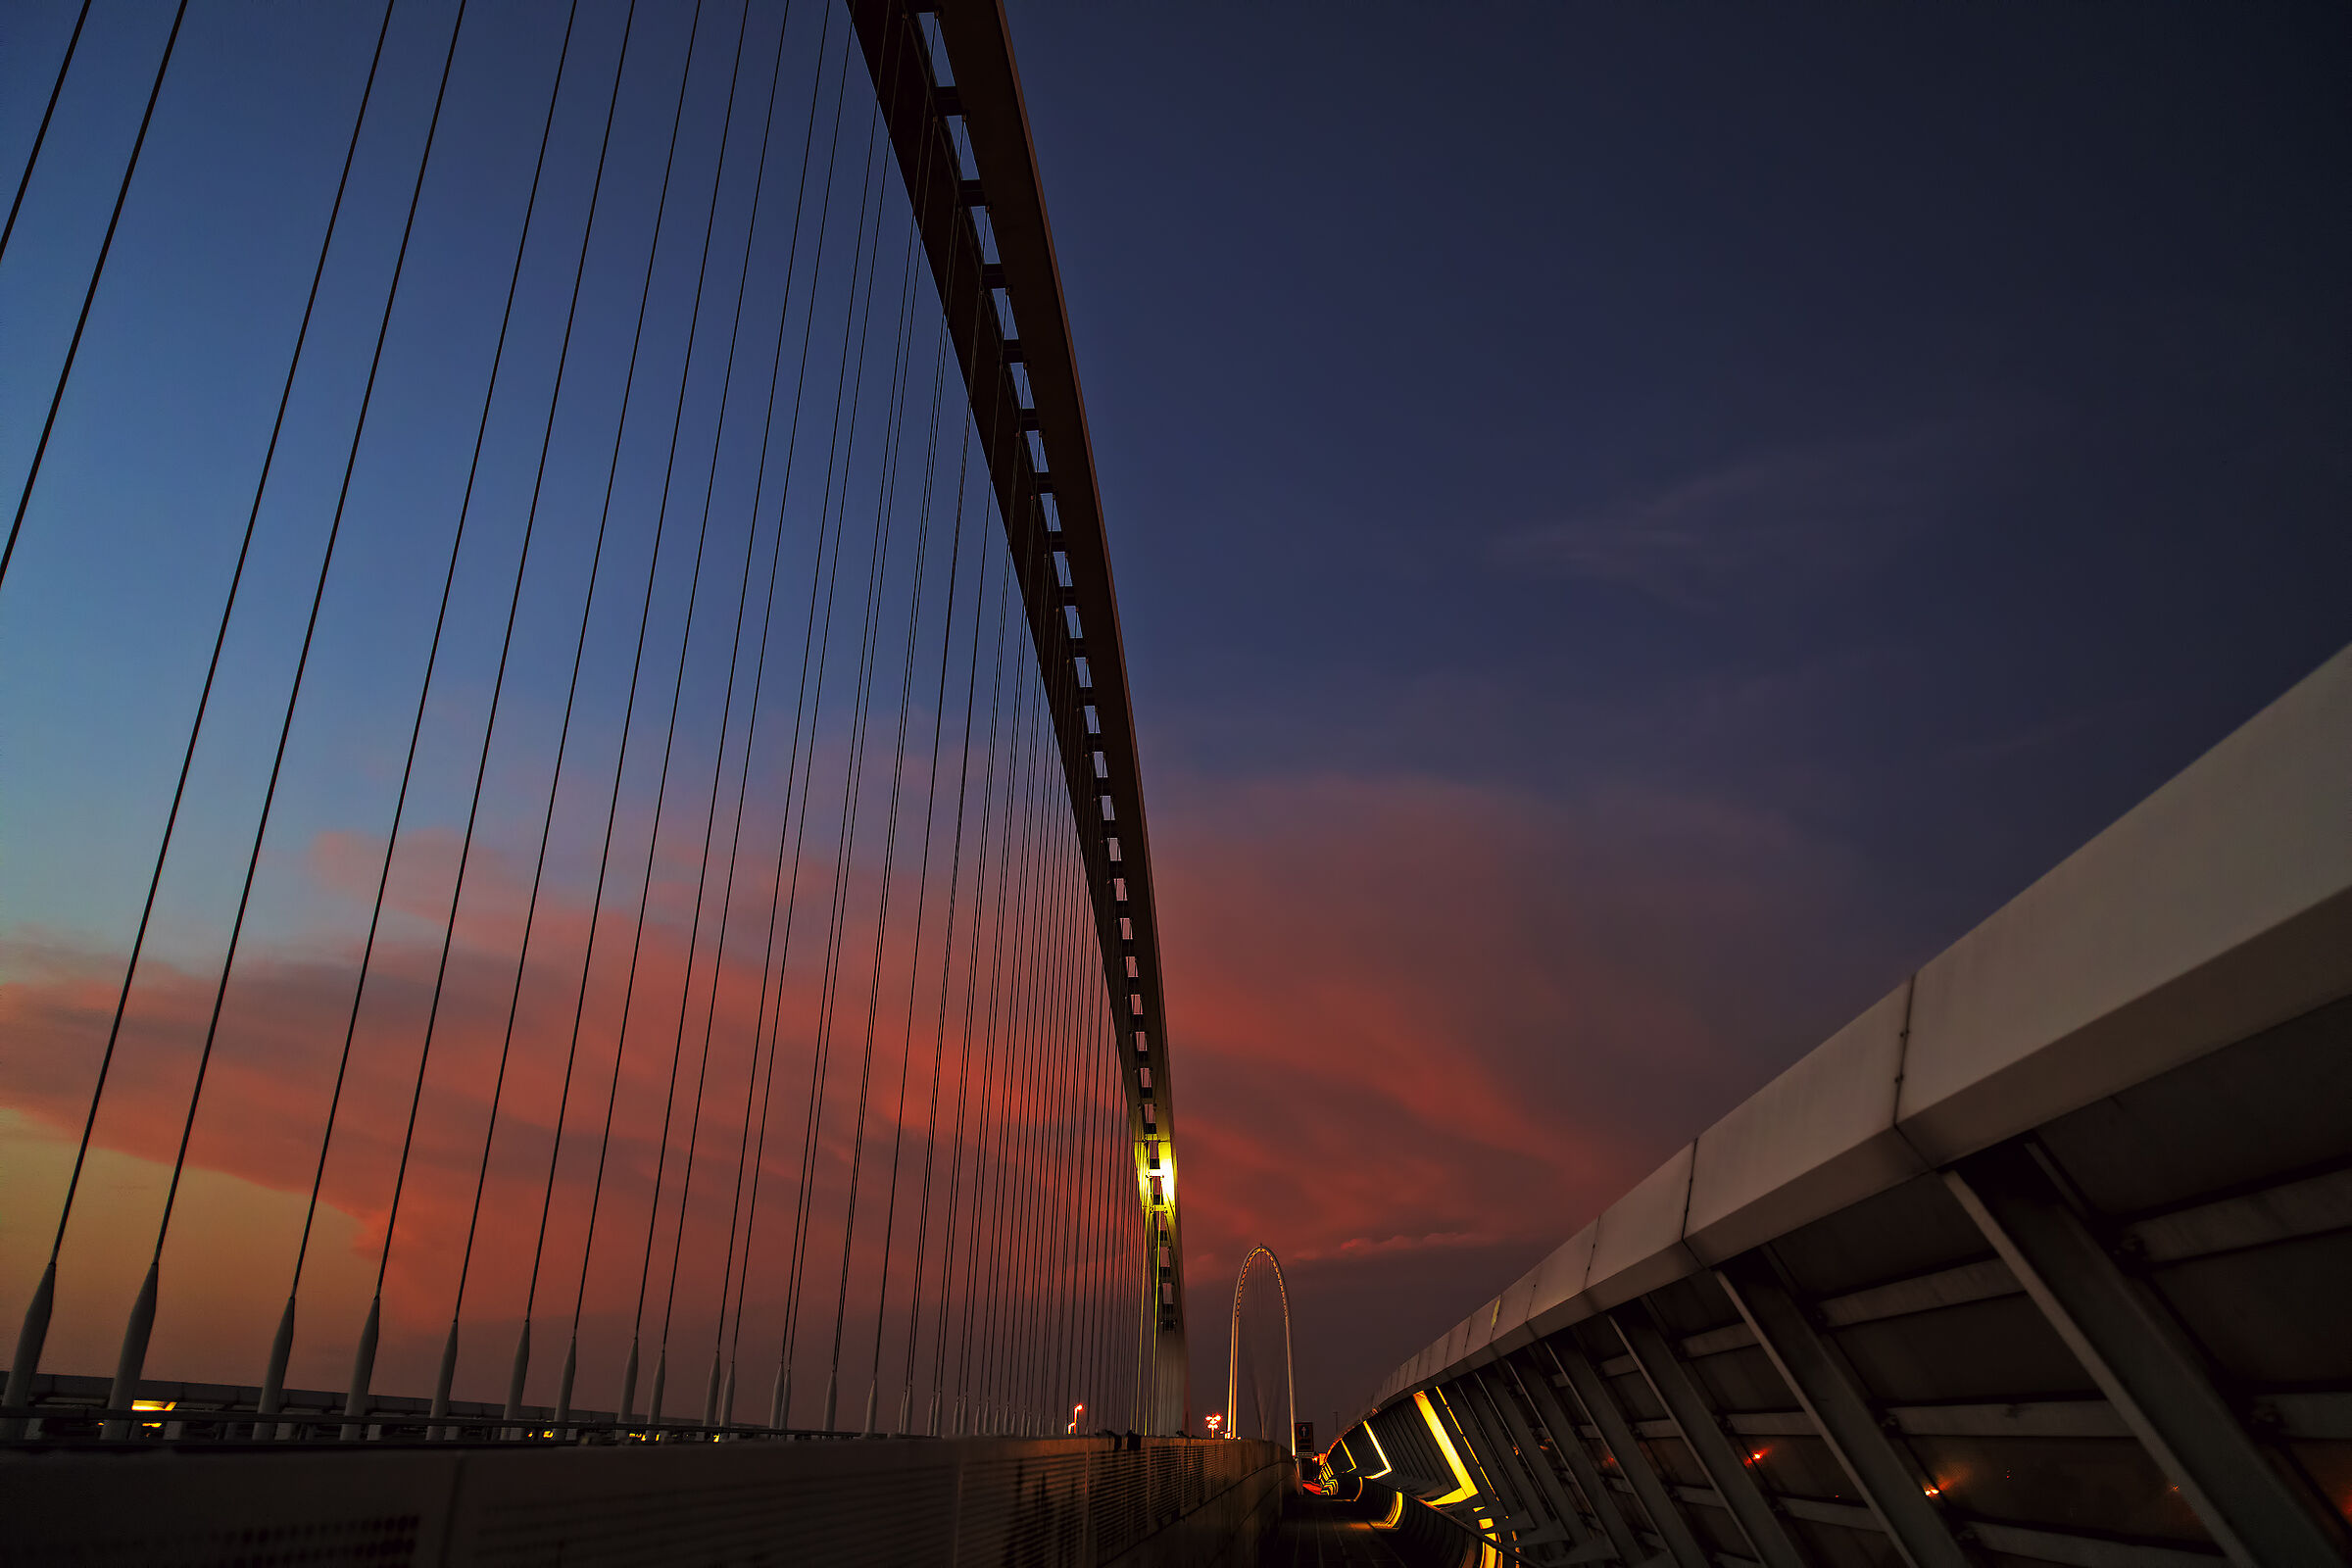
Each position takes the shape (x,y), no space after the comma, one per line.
(1422,1029)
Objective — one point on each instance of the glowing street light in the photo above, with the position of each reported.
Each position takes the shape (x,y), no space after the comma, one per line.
(1076,1410)
(1216,1424)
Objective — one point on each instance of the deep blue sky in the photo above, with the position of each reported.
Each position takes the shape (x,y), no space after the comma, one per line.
(1901,437)
(1931,425)
(1635,525)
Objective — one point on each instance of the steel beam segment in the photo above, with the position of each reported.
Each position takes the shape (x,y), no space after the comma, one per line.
(1477,1447)
(1514,1435)
(1559,1424)
(1499,1457)
(1833,1401)
(1585,1381)
(2128,1342)
(1671,1381)
(1108,811)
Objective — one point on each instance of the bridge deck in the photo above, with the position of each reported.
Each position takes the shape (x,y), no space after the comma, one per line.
(1319,1532)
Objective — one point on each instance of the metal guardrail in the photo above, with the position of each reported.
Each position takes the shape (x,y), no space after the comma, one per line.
(1048,1501)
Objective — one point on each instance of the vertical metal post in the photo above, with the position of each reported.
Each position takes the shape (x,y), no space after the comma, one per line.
(1514,1466)
(1479,1451)
(1585,1382)
(1833,1401)
(1569,1444)
(2128,1342)
(1563,1501)
(1680,1393)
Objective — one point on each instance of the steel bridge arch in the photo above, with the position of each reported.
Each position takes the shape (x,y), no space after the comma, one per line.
(1000,292)
(1233,1346)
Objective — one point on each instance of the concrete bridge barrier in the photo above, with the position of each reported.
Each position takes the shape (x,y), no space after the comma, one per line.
(1136,1503)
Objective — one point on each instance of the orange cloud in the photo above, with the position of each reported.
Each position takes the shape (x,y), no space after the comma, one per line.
(272,1076)
(1422,1029)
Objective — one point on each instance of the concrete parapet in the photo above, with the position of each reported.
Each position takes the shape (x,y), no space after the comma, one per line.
(2217,908)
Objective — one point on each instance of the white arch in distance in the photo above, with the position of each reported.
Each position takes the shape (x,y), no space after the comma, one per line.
(1233,1349)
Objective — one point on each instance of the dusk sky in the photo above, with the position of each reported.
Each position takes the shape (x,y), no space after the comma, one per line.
(1638,525)
(1635,527)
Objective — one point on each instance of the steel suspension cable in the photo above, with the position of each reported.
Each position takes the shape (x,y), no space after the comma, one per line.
(1069,1111)
(1031,1239)
(726,713)
(34,1331)
(853,777)
(922,883)
(963,1075)
(694,583)
(131,1364)
(1069,978)
(1018,1206)
(924,866)
(273,1380)
(1031,1174)
(596,557)
(890,844)
(498,686)
(82,322)
(826,564)
(771,961)
(1002,998)
(596,903)
(758,680)
(1095,1116)
(1110,1103)
(889,851)
(939,1039)
(967,1365)
(40,137)
(1040,1200)
(1039,1323)
(980,884)
(859,312)
(837,933)
(1017,1179)
(1017,1063)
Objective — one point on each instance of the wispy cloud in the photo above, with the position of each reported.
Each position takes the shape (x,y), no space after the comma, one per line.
(1757,524)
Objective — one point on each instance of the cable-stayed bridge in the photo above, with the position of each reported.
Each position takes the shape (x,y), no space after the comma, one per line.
(593,902)
(587,940)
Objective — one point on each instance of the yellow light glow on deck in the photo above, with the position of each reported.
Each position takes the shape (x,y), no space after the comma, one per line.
(1396,1512)
(1454,1462)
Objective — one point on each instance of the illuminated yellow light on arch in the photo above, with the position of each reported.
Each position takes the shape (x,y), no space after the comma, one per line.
(1386,1464)
(1396,1512)
(1163,1178)
(1463,1488)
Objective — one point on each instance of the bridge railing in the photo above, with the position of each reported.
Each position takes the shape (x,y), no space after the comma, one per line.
(1045,1503)
(2040,1259)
